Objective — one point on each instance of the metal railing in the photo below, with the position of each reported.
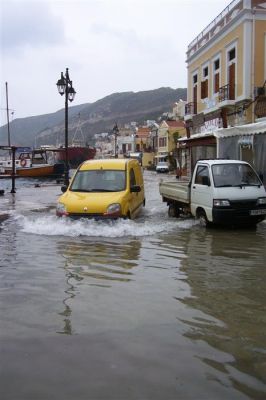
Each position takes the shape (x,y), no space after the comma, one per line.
(227,92)
(191,108)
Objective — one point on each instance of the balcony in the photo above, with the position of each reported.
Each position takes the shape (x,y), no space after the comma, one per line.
(190,109)
(226,95)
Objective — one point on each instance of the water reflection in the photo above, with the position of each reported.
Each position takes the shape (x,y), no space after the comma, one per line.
(95,264)
(222,269)
(70,294)
(103,261)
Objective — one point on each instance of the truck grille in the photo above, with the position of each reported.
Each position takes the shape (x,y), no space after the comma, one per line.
(243,204)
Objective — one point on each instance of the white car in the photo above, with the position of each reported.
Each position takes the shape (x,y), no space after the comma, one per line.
(162,166)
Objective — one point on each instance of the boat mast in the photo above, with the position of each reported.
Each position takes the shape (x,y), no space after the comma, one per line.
(7,112)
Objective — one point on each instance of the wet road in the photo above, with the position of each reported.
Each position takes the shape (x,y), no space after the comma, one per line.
(148,309)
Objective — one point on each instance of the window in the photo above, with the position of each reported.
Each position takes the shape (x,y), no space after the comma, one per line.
(162,142)
(195,79)
(204,83)
(204,89)
(132,177)
(202,175)
(216,75)
(231,72)
(232,54)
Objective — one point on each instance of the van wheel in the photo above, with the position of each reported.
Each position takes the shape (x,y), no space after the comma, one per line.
(173,211)
(128,215)
(203,220)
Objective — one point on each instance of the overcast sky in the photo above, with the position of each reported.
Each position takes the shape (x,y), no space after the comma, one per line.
(108,45)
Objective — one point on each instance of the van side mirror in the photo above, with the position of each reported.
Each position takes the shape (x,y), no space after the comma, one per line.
(63,188)
(135,189)
(206,180)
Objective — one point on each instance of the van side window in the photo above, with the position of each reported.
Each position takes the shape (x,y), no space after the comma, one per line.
(132,177)
(202,175)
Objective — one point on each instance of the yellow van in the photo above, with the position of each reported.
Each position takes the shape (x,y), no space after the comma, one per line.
(109,188)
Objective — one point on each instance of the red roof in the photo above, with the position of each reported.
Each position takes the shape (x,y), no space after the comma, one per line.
(143,132)
(175,124)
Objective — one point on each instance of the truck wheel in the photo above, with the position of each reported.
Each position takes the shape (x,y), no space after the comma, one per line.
(203,220)
(173,211)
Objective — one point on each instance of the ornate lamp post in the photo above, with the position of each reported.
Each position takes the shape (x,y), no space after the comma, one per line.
(116,131)
(64,86)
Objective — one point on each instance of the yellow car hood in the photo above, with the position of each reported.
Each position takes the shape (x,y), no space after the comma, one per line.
(95,203)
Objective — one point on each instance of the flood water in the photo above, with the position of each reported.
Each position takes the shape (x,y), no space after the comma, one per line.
(155,308)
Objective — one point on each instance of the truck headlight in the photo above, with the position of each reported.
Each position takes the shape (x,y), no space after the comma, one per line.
(61,210)
(261,201)
(221,203)
(113,209)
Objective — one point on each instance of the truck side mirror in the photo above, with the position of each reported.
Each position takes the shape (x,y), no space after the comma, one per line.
(206,180)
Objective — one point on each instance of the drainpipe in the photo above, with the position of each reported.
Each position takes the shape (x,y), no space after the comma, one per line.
(253,66)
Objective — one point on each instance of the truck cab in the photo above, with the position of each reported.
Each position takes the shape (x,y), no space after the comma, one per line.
(220,192)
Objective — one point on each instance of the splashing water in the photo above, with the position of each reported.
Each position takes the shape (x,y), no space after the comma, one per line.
(53,226)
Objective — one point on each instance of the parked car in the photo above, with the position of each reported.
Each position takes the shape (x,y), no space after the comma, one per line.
(162,166)
(220,191)
(109,188)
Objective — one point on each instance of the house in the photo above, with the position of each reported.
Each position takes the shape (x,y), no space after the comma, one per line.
(226,111)
(168,133)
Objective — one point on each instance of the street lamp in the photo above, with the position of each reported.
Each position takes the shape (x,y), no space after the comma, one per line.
(116,131)
(64,86)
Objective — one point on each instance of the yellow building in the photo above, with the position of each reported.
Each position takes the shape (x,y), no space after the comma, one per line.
(168,133)
(226,84)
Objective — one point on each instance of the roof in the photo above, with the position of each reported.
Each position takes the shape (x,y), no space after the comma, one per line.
(219,161)
(175,124)
(110,163)
(143,132)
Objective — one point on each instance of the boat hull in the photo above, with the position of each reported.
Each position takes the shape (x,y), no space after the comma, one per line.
(39,171)
(76,155)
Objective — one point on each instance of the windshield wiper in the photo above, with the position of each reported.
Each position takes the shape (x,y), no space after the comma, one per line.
(81,190)
(219,186)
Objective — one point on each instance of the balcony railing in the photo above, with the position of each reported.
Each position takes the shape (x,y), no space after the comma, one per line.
(191,108)
(226,92)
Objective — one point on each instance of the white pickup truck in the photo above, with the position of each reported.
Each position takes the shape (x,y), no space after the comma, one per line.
(220,192)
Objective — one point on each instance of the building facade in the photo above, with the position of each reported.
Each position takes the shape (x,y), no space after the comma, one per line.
(227,86)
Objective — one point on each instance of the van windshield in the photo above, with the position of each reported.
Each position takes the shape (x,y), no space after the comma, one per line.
(99,181)
(225,175)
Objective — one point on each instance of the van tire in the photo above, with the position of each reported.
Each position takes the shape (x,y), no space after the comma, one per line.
(128,215)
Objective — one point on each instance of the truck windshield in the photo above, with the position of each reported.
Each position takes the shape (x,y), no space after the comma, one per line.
(234,175)
(99,181)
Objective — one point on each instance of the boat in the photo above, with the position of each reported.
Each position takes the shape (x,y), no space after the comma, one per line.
(76,154)
(38,163)
(78,150)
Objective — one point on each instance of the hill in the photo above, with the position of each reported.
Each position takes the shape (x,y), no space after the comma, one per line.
(96,117)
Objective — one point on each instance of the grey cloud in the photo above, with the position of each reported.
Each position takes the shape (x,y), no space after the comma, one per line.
(28,23)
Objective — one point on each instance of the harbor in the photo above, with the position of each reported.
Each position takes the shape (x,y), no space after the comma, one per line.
(151,308)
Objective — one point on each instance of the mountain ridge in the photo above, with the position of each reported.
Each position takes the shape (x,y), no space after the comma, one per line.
(97,117)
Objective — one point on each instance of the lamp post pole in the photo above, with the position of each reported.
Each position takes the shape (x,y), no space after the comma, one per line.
(116,131)
(64,85)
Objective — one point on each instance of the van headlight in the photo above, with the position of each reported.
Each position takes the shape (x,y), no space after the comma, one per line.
(221,203)
(113,209)
(261,201)
(61,210)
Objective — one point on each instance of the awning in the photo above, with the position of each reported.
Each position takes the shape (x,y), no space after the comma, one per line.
(249,129)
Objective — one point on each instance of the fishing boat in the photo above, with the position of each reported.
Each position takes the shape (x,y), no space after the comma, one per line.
(38,163)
